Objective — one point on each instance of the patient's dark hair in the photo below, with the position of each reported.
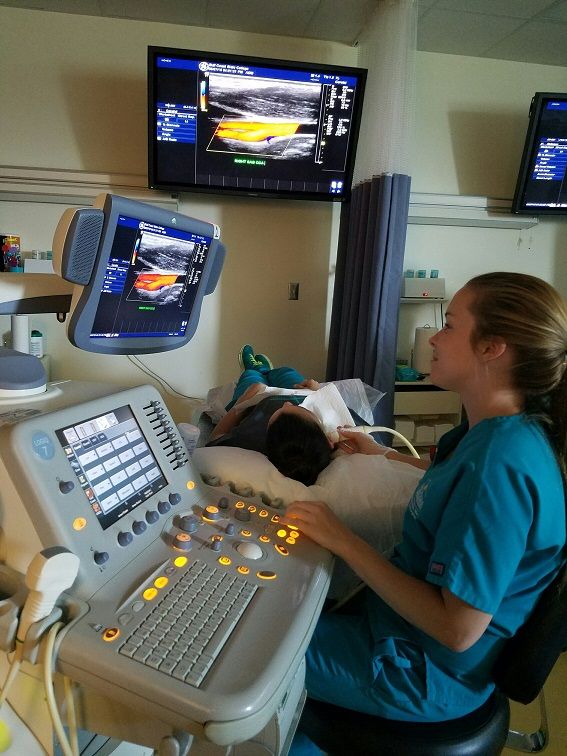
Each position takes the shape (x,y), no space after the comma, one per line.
(298,448)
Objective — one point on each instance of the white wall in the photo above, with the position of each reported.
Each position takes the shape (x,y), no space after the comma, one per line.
(471,120)
(74,90)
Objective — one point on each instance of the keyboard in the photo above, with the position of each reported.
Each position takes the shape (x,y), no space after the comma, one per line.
(188,628)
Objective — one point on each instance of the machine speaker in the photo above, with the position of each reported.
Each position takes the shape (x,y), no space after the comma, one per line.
(81,245)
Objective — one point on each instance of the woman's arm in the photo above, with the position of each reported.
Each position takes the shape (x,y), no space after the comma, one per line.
(436,611)
(357,442)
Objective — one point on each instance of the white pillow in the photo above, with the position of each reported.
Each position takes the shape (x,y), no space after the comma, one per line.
(369,493)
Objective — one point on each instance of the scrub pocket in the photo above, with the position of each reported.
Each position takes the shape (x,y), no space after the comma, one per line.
(400,671)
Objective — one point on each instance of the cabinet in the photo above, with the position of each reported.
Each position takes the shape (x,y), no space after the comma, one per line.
(423,412)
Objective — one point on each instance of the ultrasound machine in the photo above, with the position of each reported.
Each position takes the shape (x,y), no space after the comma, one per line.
(139,608)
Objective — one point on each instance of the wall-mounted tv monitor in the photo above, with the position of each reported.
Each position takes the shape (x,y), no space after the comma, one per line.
(240,125)
(542,181)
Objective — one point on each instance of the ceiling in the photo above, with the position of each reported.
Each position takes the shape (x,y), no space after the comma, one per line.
(532,31)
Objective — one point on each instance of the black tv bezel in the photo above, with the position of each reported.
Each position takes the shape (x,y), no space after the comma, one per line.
(153,181)
(528,155)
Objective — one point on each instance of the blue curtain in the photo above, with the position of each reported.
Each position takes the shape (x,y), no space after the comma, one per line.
(368,280)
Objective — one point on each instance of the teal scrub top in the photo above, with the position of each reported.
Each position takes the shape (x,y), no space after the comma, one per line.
(487,521)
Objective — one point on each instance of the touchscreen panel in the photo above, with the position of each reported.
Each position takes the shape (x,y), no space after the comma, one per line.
(113,463)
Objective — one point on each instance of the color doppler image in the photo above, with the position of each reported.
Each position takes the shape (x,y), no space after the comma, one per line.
(264,117)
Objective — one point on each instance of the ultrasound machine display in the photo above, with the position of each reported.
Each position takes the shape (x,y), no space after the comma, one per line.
(150,281)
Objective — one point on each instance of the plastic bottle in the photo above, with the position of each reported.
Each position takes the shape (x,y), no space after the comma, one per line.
(36,343)
(190,435)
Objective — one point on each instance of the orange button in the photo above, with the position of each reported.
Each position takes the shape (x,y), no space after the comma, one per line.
(264,539)
(282,549)
(110,634)
(243,569)
(263,513)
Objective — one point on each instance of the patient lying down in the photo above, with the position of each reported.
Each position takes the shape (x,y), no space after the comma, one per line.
(369,492)
(278,412)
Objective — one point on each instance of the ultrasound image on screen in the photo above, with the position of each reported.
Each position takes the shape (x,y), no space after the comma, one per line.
(160,269)
(151,281)
(266,117)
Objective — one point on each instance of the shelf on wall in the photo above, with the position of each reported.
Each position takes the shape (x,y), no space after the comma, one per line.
(415,300)
(457,210)
(28,184)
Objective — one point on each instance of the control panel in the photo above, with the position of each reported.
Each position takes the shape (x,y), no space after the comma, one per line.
(192,605)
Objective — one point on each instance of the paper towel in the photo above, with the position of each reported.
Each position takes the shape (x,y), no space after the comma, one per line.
(422,351)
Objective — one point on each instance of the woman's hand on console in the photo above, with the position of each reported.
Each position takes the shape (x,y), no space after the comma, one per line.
(317,521)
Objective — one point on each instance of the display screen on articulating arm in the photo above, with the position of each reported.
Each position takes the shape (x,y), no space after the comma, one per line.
(542,181)
(150,270)
(232,124)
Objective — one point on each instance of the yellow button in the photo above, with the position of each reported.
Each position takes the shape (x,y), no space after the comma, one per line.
(180,561)
(110,634)
(264,539)
(161,582)
(225,560)
(246,533)
(293,527)
(266,575)
(282,533)
(282,549)
(290,540)
(191,484)
(243,569)
(150,593)
(79,523)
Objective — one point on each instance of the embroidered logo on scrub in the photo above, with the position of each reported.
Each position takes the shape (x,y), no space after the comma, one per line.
(437,568)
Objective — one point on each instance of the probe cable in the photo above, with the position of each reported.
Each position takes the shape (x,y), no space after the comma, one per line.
(69,747)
